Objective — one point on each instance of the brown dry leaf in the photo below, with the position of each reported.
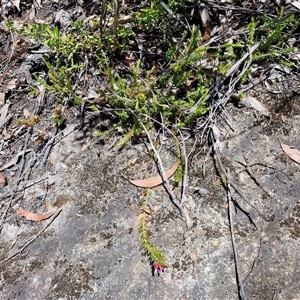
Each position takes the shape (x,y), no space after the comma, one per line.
(100,100)
(147,210)
(164,105)
(258,106)
(206,34)
(19,43)
(34,217)
(5,134)
(32,14)
(2,180)
(204,15)
(156,180)
(188,219)
(294,154)
(295,55)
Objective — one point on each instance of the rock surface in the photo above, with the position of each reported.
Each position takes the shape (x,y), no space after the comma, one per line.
(92,250)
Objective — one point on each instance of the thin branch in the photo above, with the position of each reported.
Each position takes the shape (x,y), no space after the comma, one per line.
(163,173)
(217,155)
(185,176)
(236,262)
(33,239)
(48,148)
(8,117)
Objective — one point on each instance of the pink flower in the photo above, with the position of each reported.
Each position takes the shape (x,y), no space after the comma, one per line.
(158,268)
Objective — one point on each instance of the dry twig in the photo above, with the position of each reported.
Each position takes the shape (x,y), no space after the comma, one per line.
(236,262)
(32,239)
(163,174)
(217,156)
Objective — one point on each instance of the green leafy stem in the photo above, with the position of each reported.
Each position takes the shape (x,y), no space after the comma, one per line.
(156,256)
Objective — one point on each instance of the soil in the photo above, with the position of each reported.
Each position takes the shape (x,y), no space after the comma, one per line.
(92,249)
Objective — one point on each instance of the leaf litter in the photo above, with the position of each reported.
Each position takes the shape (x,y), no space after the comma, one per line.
(156,180)
(294,154)
(34,216)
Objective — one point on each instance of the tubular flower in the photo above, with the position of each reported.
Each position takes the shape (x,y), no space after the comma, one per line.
(158,268)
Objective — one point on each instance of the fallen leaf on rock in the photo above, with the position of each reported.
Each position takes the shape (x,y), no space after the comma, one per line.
(294,154)
(254,103)
(34,217)
(156,180)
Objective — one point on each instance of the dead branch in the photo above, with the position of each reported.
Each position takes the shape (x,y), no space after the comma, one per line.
(217,156)
(236,262)
(33,238)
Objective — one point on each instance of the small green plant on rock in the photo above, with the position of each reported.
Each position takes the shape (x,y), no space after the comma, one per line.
(155,255)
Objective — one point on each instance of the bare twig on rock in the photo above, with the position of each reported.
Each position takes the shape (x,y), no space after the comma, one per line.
(236,262)
(33,238)
(217,156)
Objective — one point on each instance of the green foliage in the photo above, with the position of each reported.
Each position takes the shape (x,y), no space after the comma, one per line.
(179,174)
(155,255)
(133,94)
(175,4)
(59,80)
(74,46)
(167,97)
(149,17)
(252,27)
(274,33)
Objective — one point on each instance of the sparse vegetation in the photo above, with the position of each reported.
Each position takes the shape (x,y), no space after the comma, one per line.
(169,83)
(166,97)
